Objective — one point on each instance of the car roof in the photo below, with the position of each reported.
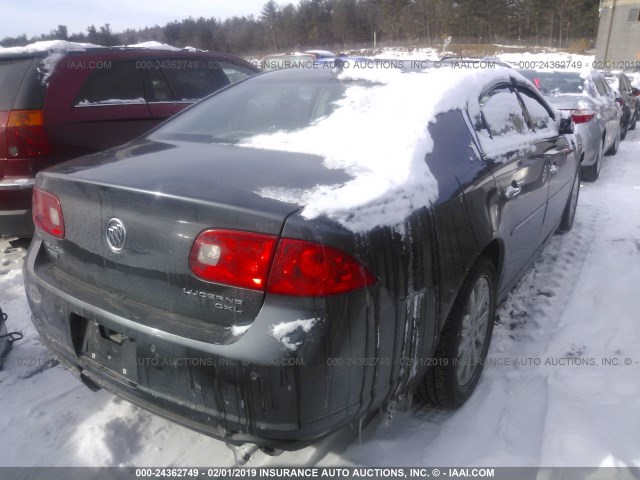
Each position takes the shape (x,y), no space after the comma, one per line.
(124,51)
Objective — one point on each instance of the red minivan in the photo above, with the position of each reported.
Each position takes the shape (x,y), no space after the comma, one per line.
(59,104)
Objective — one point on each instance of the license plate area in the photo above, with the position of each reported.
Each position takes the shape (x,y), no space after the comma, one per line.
(102,348)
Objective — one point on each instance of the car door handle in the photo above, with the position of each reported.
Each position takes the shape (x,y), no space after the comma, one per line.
(513,190)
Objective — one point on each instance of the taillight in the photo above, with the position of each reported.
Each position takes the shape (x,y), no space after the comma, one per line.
(300,268)
(314,270)
(25,134)
(47,213)
(581,115)
(239,259)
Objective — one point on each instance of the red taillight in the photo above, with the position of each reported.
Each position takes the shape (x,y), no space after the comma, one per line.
(47,213)
(581,115)
(537,83)
(314,270)
(243,259)
(239,259)
(25,134)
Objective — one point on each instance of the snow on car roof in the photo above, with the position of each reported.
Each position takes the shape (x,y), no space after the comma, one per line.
(63,46)
(51,46)
(153,45)
(59,48)
(379,135)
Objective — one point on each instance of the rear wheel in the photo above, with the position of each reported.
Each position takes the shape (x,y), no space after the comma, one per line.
(592,172)
(569,213)
(624,128)
(464,342)
(616,144)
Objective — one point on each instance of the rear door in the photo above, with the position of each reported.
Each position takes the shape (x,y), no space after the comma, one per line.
(96,104)
(558,152)
(175,83)
(521,176)
(608,108)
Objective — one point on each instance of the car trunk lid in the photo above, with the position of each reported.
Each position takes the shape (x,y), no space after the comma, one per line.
(165,194)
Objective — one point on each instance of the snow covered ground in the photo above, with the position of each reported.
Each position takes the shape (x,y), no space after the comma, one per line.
(546,397)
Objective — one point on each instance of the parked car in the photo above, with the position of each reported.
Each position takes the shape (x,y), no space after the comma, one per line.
(627,98)
(288,60)
(286,257)
(57,105)
(591,102)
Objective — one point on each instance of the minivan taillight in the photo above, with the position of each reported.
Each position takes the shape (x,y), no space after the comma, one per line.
(47,213)
(25,134)
(300,268)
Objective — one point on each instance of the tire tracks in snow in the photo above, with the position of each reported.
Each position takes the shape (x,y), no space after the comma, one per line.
(528,321)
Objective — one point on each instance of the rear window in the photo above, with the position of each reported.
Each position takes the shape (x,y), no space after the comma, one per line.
(122,83)
(188,79)
(254,108)
(556,83)
(12,72)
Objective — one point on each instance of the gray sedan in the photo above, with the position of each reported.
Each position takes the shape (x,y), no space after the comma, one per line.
(592,104)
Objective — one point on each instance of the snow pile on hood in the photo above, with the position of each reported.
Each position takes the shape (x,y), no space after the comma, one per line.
(378,134)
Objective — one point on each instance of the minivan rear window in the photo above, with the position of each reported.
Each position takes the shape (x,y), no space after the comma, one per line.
(12,73)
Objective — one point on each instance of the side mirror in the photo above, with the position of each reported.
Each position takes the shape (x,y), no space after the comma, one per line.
(566,126)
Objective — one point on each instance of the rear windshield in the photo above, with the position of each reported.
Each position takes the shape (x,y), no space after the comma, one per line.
(550,83)
(12,73)
(253,108)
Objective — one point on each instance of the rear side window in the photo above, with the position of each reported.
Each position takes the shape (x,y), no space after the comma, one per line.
(538,113)
(12,73)
(502,112)
(122,83)
(602,86)
(235,73)
(190,80)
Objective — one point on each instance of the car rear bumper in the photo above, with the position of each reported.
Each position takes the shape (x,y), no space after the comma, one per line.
(15,207)
(247,388)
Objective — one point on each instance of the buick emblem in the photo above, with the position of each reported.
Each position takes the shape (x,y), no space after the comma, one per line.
(116,235)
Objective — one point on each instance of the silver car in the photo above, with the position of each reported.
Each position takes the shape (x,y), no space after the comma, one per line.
(594,110)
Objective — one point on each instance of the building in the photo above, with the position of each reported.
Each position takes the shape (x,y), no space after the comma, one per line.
(618,40)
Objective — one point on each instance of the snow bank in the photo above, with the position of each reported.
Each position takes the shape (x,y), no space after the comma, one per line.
(378,134)
(406,54)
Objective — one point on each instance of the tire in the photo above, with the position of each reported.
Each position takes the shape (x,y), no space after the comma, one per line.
(569,214)
(613,149)
(456,370)
(632,123)
(592,172)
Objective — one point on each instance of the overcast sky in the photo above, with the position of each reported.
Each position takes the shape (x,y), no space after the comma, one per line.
(34,17)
